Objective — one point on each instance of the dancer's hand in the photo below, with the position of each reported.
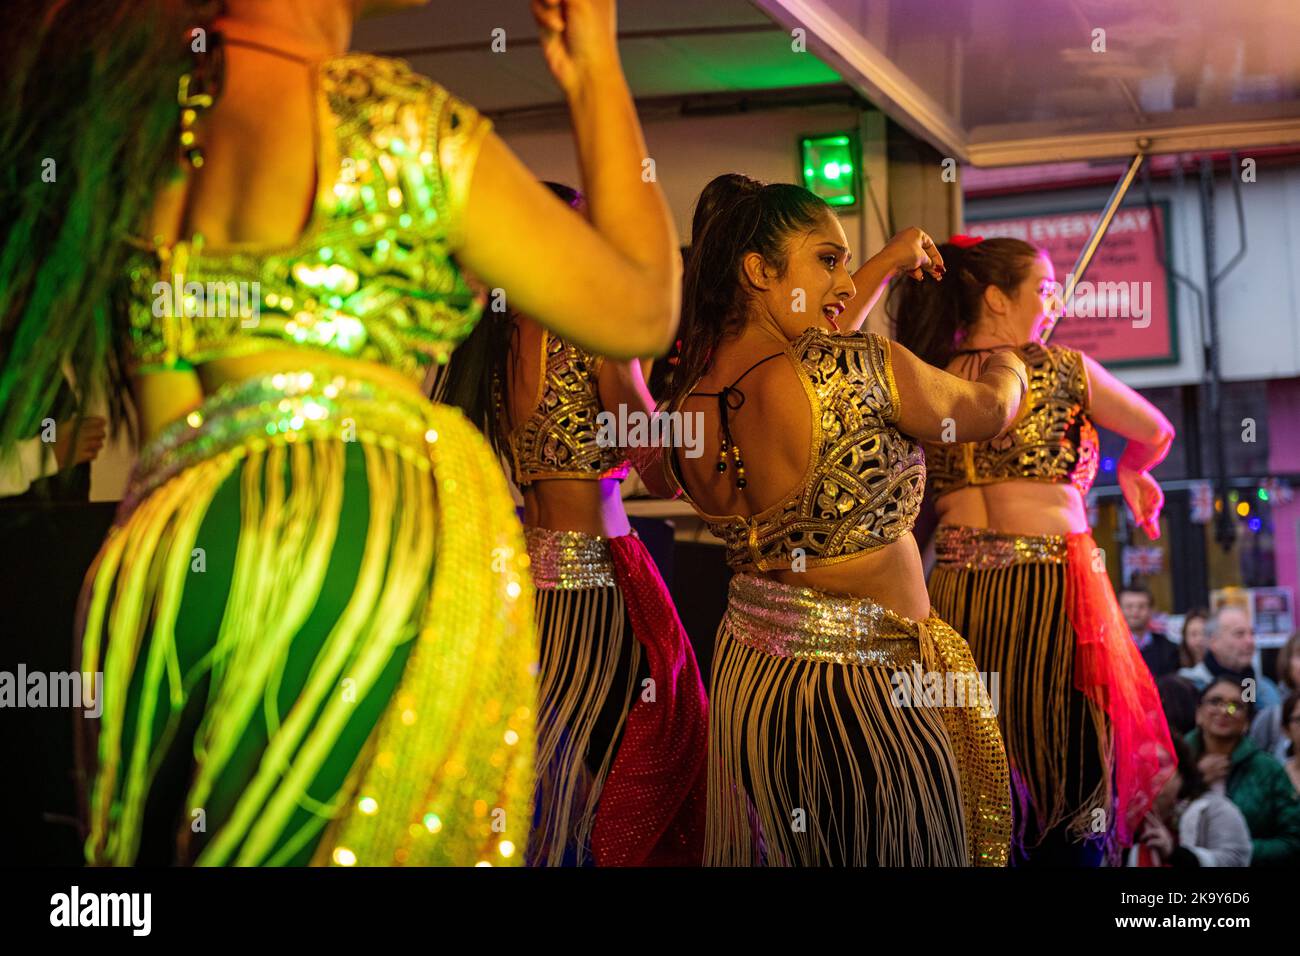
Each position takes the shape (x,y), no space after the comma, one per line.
(1157,836)
(1144,498)
(579,39)
(1213,768)
(89,440)
(913,252)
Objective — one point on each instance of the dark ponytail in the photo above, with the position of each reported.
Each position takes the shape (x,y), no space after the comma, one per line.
(931,318)
(735,215)
(88,96)
(479,371)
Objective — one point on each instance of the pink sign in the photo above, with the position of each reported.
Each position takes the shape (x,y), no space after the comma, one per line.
(1119,313)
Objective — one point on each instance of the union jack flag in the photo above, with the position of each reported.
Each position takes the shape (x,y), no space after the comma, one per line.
(1202,502)
(1142,561)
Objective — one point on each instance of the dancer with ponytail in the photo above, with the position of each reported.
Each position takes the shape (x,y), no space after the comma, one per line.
(819,752)
(313,613)
(622,716)
(1018,571)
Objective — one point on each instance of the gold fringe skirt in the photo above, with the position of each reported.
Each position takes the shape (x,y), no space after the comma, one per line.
(435,633)
(827,745)
(589,668)
(1008,596)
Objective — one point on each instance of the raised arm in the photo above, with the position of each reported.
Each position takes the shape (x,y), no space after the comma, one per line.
(624,383)
(1115,406)
(571,275)
(937,406)
(911,251)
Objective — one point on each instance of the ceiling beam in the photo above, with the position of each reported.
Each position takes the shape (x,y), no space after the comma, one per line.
(871,73)
(1172,139)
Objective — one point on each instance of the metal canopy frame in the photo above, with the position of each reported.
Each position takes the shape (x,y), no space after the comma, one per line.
(872,73)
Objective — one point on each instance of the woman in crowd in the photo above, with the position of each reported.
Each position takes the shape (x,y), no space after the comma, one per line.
(1229,762)
(1269,730)
(824,748)
(1018,571)
(1191,650)
(1291,726)
(1190,825)
(313,613)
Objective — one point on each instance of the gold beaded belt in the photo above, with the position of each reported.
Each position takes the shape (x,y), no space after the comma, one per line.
(303,404)
(977,549)
(569,560)
(804,623)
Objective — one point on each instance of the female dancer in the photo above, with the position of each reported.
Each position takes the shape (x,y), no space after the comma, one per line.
(819,752)
(622,716)
(1018,572)
(312,614)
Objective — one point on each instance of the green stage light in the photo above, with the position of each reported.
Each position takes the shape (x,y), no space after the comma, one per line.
(830,167)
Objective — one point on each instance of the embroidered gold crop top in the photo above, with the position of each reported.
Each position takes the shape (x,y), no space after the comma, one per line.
(1052,439)
(562,437)
(371,277)
(864,482)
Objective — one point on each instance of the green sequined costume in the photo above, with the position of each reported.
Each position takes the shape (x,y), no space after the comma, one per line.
(313,613)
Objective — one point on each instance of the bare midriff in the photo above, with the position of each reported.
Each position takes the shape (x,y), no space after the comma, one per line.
(572,504)
(1019,506)
(892,576)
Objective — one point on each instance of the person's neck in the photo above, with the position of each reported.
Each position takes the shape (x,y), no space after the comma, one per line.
(1216,665)
(992,332)
(1219,745)
(764,329)
(307,29)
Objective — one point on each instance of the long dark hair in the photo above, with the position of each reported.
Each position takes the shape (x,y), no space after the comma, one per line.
(479,372)
(1193,784)
(1288,710)
(1185,658)
(735,215)
(931,318)
(88,96)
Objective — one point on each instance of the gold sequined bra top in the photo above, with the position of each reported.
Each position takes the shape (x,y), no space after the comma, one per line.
(1051,440)
(371,277)
(562,436)
(864,482)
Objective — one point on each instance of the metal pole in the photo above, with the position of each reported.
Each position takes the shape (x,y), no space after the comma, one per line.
(1225,529)
(1098,233)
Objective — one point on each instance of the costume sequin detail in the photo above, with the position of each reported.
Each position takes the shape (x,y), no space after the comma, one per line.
(371,277)
(977,549)
(569,560)
(1051,440)
(561,437)
(804,623)
(865,479)
(801,623)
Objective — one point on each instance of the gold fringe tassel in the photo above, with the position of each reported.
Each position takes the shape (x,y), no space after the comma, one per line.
(1033,652)
(460,725)
(788,736)
(582,634)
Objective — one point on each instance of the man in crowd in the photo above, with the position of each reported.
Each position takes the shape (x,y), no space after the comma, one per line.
(1230,652)
(1160,653)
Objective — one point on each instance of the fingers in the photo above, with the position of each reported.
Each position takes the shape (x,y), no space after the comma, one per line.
(549,15)
(937,267)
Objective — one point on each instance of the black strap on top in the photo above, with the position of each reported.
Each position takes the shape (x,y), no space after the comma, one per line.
(730,399)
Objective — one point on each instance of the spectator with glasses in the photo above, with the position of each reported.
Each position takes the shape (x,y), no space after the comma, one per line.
(1229,762)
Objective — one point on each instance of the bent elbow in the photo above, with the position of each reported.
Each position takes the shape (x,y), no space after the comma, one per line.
(652,325)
